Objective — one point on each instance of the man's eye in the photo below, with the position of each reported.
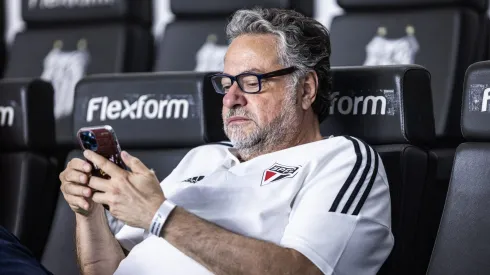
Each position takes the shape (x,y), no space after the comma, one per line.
(252,83)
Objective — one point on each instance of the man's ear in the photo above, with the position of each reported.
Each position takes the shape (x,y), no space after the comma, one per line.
(310,88)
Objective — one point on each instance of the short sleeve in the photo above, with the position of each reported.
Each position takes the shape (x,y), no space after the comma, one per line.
(341,217)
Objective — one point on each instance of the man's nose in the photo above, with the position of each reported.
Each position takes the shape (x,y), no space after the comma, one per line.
(234,97)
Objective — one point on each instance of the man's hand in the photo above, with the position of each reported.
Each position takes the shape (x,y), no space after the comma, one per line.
(133,197)
(74,187)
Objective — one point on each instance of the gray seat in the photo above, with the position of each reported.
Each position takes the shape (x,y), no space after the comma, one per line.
(462,243)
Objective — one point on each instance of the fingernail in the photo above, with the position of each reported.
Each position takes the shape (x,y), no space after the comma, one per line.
(82,179)
(85,206)
(86,167)
(124,154)
(86,192)
(85,153)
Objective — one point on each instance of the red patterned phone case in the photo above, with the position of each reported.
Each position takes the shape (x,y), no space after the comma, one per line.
(103,141)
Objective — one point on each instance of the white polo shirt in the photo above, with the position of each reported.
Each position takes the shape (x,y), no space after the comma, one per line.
(328,199)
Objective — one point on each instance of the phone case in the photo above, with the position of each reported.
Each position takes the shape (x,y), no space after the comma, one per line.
(103,141)
(106,145)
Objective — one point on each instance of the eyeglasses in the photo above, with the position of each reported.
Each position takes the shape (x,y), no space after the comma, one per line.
(248,82)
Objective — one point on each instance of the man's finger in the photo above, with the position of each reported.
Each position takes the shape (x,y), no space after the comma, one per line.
(76,177)
(102,198)
(134,163)
(79,165)
(99,184)
(106,165)
(77,190)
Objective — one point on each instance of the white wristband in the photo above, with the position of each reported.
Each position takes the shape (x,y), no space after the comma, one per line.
(160,217)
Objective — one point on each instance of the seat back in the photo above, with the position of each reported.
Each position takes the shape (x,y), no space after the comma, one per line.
(158,118)
(390,108)
(462,240)
(381,32)
(77,39)
(204,44)
(27,173)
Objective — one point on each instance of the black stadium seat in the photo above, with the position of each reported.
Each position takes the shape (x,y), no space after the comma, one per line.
(390,108)
(177,107)
(444,36)
(204,23)
(157,117)
(462,241)
(66,40)
(28,188)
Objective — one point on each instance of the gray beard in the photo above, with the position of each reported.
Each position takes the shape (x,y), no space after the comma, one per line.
(262,140)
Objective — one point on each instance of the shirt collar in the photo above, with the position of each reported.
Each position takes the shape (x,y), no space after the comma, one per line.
(232,153)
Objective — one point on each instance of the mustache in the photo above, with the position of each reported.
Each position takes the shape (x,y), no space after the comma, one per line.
(238,112)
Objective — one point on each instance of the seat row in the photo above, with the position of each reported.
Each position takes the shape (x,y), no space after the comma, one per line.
(115,37)
(162,116)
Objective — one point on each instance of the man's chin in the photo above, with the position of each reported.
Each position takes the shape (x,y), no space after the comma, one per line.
(241,142)
(241,136)
(237,132)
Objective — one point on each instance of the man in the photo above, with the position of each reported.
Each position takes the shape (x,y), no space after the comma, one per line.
(282,200)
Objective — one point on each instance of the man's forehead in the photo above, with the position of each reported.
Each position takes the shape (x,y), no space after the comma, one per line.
(251,53)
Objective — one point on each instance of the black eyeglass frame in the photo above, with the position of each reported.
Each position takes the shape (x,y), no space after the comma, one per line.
(280,72)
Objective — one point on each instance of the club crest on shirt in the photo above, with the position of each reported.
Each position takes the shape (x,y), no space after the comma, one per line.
(277,172)
(194,179)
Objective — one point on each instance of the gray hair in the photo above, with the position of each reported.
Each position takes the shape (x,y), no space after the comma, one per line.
(302,42)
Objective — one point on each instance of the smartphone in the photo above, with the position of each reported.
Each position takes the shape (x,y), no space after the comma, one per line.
(102,140)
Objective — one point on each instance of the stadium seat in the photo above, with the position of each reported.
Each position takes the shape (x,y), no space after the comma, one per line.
(66,40)
(390,108)
(28,188)
(204,23)
(157,117)
(382,32)
(462,241)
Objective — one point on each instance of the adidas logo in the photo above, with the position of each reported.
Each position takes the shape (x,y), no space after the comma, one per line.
(194,179)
